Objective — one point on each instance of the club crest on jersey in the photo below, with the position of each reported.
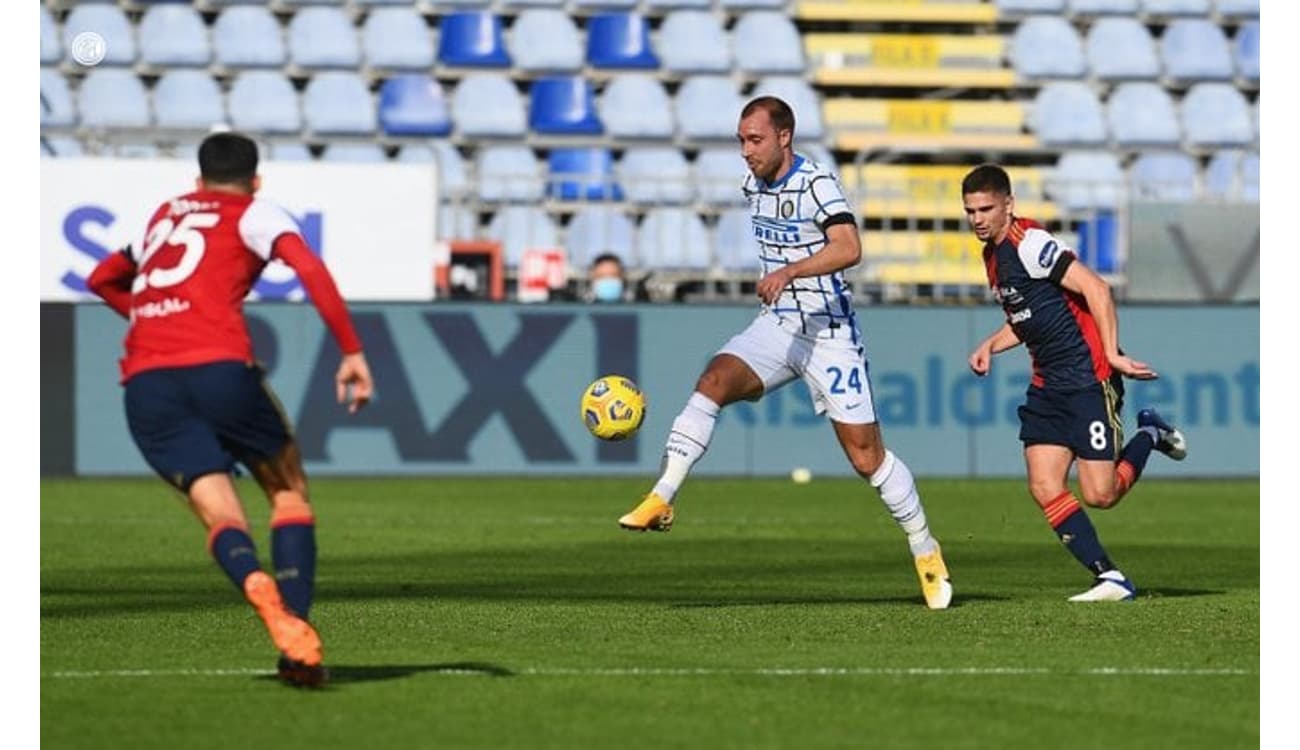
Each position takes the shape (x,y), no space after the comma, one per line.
(1048,254)
(787,209)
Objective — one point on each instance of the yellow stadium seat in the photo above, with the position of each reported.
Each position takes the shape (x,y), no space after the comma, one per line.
(863,124)
(923,60)
(925,191)
(922,11)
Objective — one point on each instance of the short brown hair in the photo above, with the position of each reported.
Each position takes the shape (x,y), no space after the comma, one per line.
(777,110)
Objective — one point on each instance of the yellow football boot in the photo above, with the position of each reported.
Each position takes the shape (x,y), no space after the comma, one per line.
(653,514)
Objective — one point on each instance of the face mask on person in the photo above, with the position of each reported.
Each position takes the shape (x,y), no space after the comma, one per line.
(608,289)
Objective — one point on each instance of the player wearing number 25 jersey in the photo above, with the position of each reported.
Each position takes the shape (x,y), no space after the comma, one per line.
(196,399)
(1063,313)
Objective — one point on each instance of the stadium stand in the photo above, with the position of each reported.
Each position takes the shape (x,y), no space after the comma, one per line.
(396,39)
(110,23)
(545,40)
(600,229)
(263,101)
(248,36)
(693,41)
(322,37)
(188,100)
(636,106)
(1121,48)
(1195,49)
(1068,113)
(173,35)
(113,98)
(1047,47)
(488,105)
(620,40)
(1168,176)
(706,107)
(1142,114)
(655,175)
(472,39)
(508,174)
(585,174)
(413,105)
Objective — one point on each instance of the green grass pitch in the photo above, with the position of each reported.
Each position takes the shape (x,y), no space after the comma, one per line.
(505,613)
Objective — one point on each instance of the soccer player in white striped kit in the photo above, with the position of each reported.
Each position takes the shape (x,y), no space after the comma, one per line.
(806,328)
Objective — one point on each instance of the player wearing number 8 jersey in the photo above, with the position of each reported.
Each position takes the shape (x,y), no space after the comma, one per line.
(806,329)
(196,400)
(1063,313)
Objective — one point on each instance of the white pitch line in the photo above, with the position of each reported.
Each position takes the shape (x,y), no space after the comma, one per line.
(710,671)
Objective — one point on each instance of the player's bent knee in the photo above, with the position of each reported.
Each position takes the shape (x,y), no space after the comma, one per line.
(1101,499)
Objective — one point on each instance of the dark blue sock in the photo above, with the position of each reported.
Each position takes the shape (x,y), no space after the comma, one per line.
(1137,452)
(1078,535)
(293,551)
(234,552)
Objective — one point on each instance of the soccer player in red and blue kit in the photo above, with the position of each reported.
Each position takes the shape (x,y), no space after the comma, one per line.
(197,401)
(1063,313)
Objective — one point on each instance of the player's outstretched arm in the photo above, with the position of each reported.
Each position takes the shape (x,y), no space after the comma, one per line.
(1002,339)
(111,280)
(1082,280)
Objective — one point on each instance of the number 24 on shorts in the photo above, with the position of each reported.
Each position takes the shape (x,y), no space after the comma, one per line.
(854,381)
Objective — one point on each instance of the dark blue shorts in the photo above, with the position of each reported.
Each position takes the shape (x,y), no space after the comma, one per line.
(191,421)
(1086,421)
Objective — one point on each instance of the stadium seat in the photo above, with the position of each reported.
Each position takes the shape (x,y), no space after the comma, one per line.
(520,228)
(708,108)
(1047,47)
(264,101)
(1143,114)
(397,39)
(413,104)
(1232,9)
(288,151)
(718,175)
(1214,115)
(604,4)
(452,178)
(563,105)
(737,249)
(487,104)
(594,230)
(51,49)
(673,239)
(1164,176)
(802,99)
(585,174)
(338,102)
(767,42)
(1195,49)
(672,5)
(1026,7)
(188,99)
(525,4)
(354,153)
(545,40)
(1102,7)
(113,98)
(733,5)
(472,39)
(323,38)
(620,40)
(1245,49)
(415,153)
(655,174)
(1169,8)
(56,100)
(693,41)
(508,174)
(1121,48)
(248,36)
(1068,113)
(61,147)
(381,2)
(1087,180)
(172,35)
(109,22)
(635,105)
(456,222)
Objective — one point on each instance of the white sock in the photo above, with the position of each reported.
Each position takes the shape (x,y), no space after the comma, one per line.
(893,480)
(689,438)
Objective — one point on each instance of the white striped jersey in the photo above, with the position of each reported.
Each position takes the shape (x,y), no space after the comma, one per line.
(788,216)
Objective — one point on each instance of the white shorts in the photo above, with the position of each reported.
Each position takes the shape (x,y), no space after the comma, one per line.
(834,369)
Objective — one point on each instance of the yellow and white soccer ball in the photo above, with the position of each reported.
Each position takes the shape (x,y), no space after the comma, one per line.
(613,407)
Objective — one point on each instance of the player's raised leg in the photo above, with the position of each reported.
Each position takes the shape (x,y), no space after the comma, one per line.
(725,380)
(886,472)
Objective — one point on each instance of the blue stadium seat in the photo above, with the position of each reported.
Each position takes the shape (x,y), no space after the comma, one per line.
(635,105)
(323,38)
(288,151)
(456,222)
(338,102)
(545,40)
(51,49)
(563,105)
(113,97)
(1195,49)
(487,104)
(719,173)
(1068,113)
(248,36)
(1102,7)
(620,40)
(737,248)
(802,99)
(1215,115)
(1237,8)
(673,239)
(1164,176)
(354,153)
(1245,49)
(767,42)
(671,5)
(61,147)
(693,41)
(708,108)
(1087,180)
(173,35)
(416,153)
(1047,47)
(508,174)
(1025,7)
(110,23)
(56,100)
(1169,8)
(452,178)
(585,174)
(413,104)
(520,228)
(1121,48)
(595,230)
(655,174)
(1143,114)
(473,39)
(188,99)
(397,39)
(264,101)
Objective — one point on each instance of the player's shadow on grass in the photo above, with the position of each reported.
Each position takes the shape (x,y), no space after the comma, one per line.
(349,674)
